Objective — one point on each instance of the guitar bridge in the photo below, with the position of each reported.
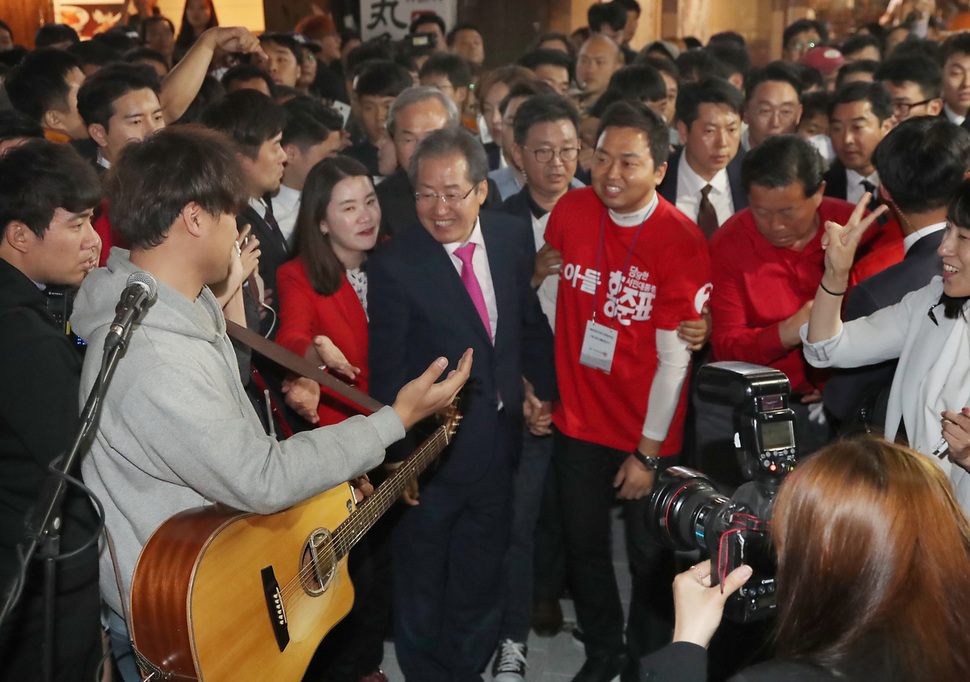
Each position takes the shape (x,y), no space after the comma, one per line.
(274,605)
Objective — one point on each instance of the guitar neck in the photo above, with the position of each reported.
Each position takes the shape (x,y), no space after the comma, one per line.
(370,510)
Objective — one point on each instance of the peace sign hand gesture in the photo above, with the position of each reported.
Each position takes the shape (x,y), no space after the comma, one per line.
(841,241)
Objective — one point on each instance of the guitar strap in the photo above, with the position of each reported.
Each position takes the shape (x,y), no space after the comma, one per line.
(301,366)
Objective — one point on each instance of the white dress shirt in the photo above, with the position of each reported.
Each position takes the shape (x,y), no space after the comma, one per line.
(853,185)
(482,271)
(689,186)
(286,206)
(911,239)
(952,115)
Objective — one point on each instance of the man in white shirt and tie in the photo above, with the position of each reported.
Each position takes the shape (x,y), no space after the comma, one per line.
(860,115)
(704,176)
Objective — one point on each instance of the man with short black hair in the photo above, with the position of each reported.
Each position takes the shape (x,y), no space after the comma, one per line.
(56,37)
(633,267)
(44,86)
(242,76)
(704,176)
(800,37)
(450,74)
(311,134)
(553,67)
(283,58)
(47,198)
(458,278)
(607,19)
(955,60)
(774,246)
(860,115)
(509,179)
(15,129)
(465,41)
(914,84)
(119,105)
(375,87)
(772,105)
(175,406)
(255,123)
(861,47)
(921,162)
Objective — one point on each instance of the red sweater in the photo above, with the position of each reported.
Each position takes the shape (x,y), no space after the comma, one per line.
(667,280)
(305,314)
(757,286)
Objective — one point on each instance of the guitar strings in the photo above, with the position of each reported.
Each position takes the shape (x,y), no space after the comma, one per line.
(295,585)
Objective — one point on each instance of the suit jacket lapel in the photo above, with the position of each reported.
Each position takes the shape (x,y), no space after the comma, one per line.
(503,277)
(437,265)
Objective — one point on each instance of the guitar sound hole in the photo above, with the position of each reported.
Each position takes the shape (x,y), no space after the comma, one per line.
(318,564)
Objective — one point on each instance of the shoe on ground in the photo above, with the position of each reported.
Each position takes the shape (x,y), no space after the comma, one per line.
(547,617)
(509,664)
(601,669)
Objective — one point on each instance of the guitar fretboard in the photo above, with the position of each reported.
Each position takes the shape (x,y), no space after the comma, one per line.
(369,511)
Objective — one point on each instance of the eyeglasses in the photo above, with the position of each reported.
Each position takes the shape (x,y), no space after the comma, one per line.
(802,46)
(903,108)
(545,154)
(451,200)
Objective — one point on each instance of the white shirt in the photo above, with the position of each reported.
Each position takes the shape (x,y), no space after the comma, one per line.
(549,289)
(911,239)
(853,185)
(636,218)
(952,115)
(482,271)
(689,186)
(286,206)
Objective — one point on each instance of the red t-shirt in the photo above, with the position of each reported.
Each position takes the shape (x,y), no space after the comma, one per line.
(757,286)
(305,314)
(667,281)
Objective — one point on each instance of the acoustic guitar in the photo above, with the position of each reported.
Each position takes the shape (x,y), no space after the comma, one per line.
(220,594)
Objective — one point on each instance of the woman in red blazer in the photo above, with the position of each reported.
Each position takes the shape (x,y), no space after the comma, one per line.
(323,291)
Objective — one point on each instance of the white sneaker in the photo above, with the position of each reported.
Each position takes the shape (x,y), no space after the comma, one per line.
(509,664)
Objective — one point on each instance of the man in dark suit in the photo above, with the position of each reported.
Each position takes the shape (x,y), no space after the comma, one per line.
(414,113)
(703,177)
(920,162)
(860,115)
(255,122)
(457,280)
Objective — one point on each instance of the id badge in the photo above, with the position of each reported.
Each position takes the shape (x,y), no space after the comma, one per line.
(599,345)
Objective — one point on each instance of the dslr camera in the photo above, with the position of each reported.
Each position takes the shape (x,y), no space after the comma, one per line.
(687,512)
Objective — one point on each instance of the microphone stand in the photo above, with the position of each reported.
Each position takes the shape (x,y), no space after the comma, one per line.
(43,525)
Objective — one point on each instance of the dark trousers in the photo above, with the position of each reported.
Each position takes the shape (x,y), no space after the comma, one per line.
(529,482)
(448,553)
(584,475)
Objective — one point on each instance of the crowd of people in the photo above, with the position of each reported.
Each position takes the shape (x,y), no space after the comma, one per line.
(563,240)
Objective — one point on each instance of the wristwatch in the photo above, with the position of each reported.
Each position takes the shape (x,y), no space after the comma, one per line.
(652,463)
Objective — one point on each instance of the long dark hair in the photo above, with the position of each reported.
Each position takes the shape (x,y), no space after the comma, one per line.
(187,35)
(323,269)
(958,215)
(873,565)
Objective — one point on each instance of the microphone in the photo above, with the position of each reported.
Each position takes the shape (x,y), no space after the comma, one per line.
(139,292)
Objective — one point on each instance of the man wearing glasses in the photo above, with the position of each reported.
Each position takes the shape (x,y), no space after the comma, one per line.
(800,37)
(914,84)
(772,106)
(459,277)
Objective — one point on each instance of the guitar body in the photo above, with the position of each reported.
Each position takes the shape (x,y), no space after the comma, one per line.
(203,601)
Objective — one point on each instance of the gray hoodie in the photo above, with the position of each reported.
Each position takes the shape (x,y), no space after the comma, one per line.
(177,430)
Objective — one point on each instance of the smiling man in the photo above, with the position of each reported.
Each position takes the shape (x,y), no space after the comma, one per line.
(457,278)
(633,267)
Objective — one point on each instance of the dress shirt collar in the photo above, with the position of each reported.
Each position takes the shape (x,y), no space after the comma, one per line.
(258,205)
(288,196)
(854,179)
(911,239)
(476,238)
(952,115)
(693,183)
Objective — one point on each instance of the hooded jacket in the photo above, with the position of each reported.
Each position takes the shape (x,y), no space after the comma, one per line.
(177,430)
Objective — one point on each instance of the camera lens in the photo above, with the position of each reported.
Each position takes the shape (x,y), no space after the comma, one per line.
(683,506)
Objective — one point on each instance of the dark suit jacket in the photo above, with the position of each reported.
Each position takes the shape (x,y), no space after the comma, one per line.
(686,662)
(396,197)
(273,252)
(668,188)
(846,388)
(836,184)
(420,310)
